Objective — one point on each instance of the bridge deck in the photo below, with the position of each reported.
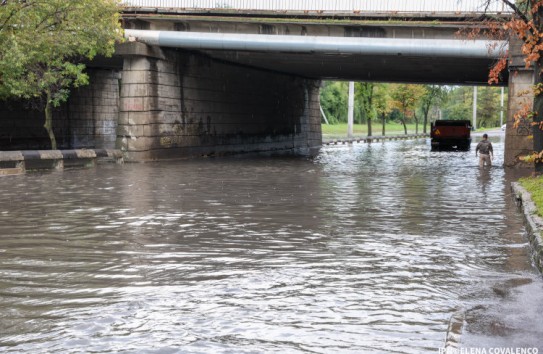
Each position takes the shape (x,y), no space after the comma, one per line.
(368,8)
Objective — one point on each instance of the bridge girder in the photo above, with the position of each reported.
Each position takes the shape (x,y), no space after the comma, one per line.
(439,61)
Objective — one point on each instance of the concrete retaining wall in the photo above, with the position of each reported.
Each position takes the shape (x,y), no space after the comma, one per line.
(177,104)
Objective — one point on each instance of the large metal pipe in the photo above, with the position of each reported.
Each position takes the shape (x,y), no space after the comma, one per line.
(450,48)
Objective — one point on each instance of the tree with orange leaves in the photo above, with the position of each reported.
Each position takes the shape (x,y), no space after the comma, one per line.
(527,24)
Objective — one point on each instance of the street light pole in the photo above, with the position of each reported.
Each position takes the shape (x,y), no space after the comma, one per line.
(350,113)
(474,107)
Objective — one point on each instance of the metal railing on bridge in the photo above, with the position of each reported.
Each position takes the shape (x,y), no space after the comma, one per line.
(354,6)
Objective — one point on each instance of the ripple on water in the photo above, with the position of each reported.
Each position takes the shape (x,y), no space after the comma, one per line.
(364,249)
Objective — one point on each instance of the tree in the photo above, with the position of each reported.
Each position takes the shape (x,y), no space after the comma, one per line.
(44,44)
(488,106)
(527,24)
(334,101)
(405,98)
(416,119)
(459,103)
(364,97)
(381,103)
(433,94)
(334,97)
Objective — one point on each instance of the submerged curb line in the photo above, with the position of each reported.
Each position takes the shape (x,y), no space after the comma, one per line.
(18,162)
(534,223)
(454,331)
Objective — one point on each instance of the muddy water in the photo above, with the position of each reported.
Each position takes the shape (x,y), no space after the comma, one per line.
(369,248)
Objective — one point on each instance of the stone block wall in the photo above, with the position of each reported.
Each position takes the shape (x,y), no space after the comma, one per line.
(171,104)
(87,120)
(21,126)
(93,111)
(518,140)
(177,104)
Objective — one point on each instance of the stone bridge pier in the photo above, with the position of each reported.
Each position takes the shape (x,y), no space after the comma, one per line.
(176,104)
(518,140)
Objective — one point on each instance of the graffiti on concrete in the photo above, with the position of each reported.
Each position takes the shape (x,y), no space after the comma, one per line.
(524,127)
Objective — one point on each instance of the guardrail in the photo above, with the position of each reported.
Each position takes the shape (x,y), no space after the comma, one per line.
(371,139)
(355,6)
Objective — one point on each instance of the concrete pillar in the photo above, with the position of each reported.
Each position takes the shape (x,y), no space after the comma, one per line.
(150,101)
(311,138)
(176,104)
(517,140)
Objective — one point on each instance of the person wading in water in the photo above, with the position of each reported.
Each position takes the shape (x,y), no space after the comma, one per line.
(486,153)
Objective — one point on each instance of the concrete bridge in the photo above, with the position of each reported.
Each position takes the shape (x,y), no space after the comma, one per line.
(361,40)
(208,77)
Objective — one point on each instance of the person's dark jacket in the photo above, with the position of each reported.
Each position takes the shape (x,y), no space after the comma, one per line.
(484,147)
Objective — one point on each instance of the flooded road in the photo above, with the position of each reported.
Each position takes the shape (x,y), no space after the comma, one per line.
(366,248)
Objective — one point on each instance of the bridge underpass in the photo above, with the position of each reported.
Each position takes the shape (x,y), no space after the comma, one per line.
(190,100)
(298,53)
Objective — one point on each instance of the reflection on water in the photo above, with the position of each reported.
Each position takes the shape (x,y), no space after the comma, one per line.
(366,248)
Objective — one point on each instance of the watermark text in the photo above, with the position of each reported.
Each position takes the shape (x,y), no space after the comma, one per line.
(497,350)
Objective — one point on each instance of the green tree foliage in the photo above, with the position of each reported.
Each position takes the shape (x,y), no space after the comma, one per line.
(381,103)
(459,105)
(370,101)
(410,103)
(488,107)
(433,95)
(333,98)
(405,98)
(364,92)
(43,43)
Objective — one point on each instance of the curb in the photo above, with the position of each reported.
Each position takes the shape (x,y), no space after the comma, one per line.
(18,162)
(534,223)
(454,331)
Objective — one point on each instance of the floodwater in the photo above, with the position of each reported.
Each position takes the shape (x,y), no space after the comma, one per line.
(364,249)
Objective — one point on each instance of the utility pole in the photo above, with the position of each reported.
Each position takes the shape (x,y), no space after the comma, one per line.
(350,113)
(323,114)
(474,107)
(501,111)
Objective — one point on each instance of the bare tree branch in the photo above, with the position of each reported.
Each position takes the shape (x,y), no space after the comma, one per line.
(517,11)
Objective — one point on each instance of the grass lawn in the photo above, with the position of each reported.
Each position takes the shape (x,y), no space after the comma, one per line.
(534,185)
(340,130)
